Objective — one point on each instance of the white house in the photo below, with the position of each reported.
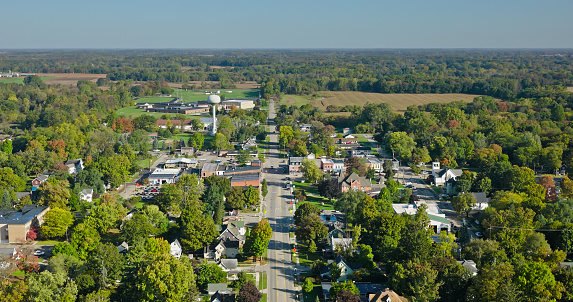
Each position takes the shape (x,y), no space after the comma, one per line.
(441,176)
(438,220)
(482,201)
(86,194)
(74,166)
(175,249)
(338,166)
(346,268)
(164,176)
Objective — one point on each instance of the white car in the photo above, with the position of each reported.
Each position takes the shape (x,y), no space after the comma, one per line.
(38,253)
(479,235)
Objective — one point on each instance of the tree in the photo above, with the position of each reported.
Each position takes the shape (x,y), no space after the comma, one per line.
(241,279)
(167,279)
(311,228)
(249,293)
(484,252)
(335,272)
(243,157)
(56,222)
(312,247)
(105,262)
(235,198)
(6,201)
(567,188)
(11,181)
(258,239)
(463,203)
(286,135)
(106,216)
(488,283)
(220,142)
(197,125)
(84,240)
(264,188)
(329,188)
(67,265)
(209,273)
(47,287)
(7,146)
(197,230)
(304,210)
(346,296)
(252,196)
(338,287)
(197,140)
(91,178)
(355,165)
(536,280)
(307,285)
(415,279)
(54,195)
(311,172)
(300,195)
(400,144)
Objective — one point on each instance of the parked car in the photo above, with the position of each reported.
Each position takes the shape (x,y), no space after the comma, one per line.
(479,235)
(38,253)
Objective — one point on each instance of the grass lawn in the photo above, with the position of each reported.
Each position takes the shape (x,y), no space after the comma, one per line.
(264,298)
(298,100)
(318,200)
(315,292)
(309,188)
(19,80)
(304,256)
(146,163)
(263,281)
(112,236)
(362,139)
(154,99)
(48,242)
(19,273)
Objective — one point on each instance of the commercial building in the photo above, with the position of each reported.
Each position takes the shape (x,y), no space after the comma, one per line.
(164,176)
(15,224)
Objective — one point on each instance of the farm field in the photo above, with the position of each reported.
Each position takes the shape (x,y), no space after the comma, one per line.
(19,80)
(59,78)
(242,85)
(399,102)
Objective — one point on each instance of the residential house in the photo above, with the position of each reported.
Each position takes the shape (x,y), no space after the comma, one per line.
(227,244)
(469,265)
(333,218)
(305,127)
(482,201)
(15,224)
(175,249)
(438,220)
(349,139)
(74,166)
(326,165)
(209,169)
(354,182)
(441,176)
(386,295)
(222,288)
(229,265)
(294,164)
(364,288)
(219,297)
(361,151)
(338,166)
(343,243)
(164,176)
(123,247)
(86,195)
(248,144)
(233,216)
(38,181)
(346,268)
(374,163)
(346,130)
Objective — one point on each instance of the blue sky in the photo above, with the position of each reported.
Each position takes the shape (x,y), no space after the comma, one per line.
(286,24)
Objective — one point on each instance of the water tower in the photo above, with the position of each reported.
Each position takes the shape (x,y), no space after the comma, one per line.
(214,100)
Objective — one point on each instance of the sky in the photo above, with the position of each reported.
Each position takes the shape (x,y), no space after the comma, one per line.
(276,24)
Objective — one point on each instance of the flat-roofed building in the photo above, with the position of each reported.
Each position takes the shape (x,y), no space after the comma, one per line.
(15,224)
(164,176)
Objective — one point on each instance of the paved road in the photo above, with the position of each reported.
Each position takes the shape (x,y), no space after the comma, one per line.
(280,270)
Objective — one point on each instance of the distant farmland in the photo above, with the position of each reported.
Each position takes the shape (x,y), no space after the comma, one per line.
(400,102)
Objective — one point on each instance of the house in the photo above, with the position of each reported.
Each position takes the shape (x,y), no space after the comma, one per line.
(248,144)
(346,130)
(229,249)
(15,224)
(469,265)
(239,104)
(441,176)
(346,268)
(20,195)
(229,265)
(123,247)
(438,220)
(74,166)
(361,151)
(333,218)
(326,164)
(222,288)
(175,249)
(354,182)
(86,195)
(343,243)
(219,297)
(374,163)
(347,140)
(233,217)
(233,234)
(209,169)
(38,181)
(482,201)
(386,295)
(305,127)
(365,288)
(338,166)
(164,176)
(256,163)
(294,164)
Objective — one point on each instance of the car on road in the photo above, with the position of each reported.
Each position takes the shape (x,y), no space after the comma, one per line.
(479,235)
(38,253)
(272,167)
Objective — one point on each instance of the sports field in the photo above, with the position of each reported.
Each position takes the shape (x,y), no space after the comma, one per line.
(400,102)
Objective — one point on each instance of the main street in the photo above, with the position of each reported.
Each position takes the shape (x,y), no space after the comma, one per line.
(280,270)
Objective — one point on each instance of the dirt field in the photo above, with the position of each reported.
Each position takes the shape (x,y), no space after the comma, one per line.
(245,85)
(400,102)
(70,78)
(570,89)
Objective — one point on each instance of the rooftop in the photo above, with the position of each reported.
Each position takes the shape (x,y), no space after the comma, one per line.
(23,216)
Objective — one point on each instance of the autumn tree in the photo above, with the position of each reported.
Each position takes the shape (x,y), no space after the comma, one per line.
(356,165)
(258,240)
(310,170)
(56,222)
(249,293)
(329,188)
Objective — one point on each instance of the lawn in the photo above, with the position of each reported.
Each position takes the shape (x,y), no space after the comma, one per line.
(146,163)
(309,188)
(19,273)
(304,256)
(263,281)
(19,80)
(264,298)
(154,99)
(318,200)
(48,242)
(316,292)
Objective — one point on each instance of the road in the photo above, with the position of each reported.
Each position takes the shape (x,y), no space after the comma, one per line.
(280,270)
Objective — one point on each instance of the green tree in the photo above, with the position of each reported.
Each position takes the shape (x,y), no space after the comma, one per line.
(197,230)
(54,195)
(338,287)
(484,252)
(488,284)
(11,181)
(252,196)
(220,142)
(415,279)
(243,157)
(56,222)
(84,240)
(304,210)
(106,216)
(7,146)
(6,201)
(105,257)
(567,188)
(311,228)
(329,188)
(400,144)
(167,279)
(463,203)
(209,273)
(311,172)
(258,239)
(235,198)
(197,140)
(48,287)
(241,279)
(312,247)
(264,188)
(286,135)
(307,285)
(536,281)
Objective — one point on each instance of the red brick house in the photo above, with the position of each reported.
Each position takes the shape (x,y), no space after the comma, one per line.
(354,182)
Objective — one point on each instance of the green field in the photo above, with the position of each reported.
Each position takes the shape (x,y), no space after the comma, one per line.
(194,96)
(19,80)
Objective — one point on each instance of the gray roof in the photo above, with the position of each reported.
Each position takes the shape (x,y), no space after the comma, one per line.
(42,177)
(23,216)
(210,167)
(481,197)
(87,191)
(470,265)
(218,287)
(347,181)
(20,195)
(295,159)
(245,177)
(230,264)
